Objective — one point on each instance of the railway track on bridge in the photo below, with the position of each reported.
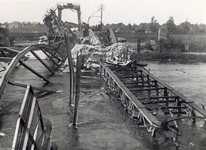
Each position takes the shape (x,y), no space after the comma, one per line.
(155,105)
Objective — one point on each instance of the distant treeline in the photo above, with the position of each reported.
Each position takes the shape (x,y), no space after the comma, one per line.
(153,27)
(26,36)
(24,27)
(148,28)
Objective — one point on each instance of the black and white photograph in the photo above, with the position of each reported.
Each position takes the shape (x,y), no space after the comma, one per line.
(102,75)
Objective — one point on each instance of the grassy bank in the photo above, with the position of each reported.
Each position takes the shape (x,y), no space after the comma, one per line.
(169,57)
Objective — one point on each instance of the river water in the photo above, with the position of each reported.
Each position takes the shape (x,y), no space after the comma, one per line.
(188,79)
(103,122)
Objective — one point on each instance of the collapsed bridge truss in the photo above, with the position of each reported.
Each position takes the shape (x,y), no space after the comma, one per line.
(155,104)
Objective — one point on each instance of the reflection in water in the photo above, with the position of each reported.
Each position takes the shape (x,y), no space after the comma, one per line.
(74,140)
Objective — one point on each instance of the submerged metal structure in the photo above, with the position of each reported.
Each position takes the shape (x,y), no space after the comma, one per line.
(31,134)
(31,128)
(155,105)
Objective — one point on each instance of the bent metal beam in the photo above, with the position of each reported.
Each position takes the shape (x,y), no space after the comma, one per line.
(5,77)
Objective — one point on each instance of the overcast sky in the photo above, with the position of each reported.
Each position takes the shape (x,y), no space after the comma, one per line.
(115,11)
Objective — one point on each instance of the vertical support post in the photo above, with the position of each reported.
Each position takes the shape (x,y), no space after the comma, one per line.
(71,69)
(78,84)
(156,86)
(178,104)
(79,18)
(160,45)
(193,115)
(142,79)
(101,68)
(101,16)
(60,13)
(149,86)
(138,45)
(166,94)
(103,73)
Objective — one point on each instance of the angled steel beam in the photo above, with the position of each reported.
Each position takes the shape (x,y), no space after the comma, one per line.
(42,62)
(35,88)
(50,57)
(53,55)
(8,49)
(32,70)
(148,116)
(6,59)
(59,42)
(5,77)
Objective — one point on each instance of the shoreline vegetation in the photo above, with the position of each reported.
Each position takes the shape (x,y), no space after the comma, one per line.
(198,43)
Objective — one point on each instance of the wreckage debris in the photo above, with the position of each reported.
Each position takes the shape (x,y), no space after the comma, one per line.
(92,55)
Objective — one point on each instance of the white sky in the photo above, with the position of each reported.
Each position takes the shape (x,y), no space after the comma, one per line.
(116,11)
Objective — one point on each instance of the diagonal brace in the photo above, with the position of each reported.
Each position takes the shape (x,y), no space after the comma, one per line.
(32,70)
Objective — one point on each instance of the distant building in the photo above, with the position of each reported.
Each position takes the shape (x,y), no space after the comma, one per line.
(14,24)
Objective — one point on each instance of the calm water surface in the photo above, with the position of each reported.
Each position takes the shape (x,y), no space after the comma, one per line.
(188,79)
(103,121)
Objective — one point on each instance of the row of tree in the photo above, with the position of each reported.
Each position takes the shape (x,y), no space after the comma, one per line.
(153,27)
(185,27)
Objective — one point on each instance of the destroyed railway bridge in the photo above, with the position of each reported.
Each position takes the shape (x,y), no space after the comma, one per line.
(153,103)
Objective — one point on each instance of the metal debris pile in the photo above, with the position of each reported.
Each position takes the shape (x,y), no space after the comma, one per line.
(92,55)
